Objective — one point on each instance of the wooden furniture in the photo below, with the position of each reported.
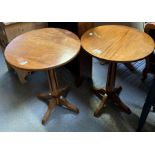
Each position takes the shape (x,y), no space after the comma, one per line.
(8,31)
(15,29)
(81,66)
(3,43)
(45,49)
(114,43)
(150,60)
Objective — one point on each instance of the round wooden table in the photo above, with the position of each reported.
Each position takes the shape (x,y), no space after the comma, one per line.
(45,49)
(115,43)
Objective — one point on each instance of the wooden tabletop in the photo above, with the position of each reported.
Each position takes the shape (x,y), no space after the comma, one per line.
(42,49)
(117,43)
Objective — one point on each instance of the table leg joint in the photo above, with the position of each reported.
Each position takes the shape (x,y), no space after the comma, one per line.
(110,95)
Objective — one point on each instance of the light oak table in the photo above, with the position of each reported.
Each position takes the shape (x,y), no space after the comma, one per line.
(45,49)
(115,43)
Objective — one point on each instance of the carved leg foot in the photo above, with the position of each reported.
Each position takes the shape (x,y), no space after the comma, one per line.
(120,104)
(103,104)
(51,106)
(70,106)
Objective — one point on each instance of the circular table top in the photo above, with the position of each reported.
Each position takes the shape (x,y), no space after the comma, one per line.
(117,43)
(42,49)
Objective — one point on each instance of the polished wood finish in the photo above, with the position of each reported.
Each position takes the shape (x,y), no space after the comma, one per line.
(55,96)
(45,49)
(110,92)
(114,43)
(3,43)
(117,43)
(42,49)
(81,66)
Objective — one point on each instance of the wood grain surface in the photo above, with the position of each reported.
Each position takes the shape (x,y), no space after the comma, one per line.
(117,43)
(42,49)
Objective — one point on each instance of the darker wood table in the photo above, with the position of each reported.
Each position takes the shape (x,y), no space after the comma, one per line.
(45,49)
(114,43)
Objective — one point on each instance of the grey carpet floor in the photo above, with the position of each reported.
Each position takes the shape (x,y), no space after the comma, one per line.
(21,110)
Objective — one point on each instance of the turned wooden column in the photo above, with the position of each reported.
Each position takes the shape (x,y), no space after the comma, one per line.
(113,44)
(45,49)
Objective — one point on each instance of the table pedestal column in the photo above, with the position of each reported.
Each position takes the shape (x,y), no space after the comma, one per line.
(110,93)
(55,96)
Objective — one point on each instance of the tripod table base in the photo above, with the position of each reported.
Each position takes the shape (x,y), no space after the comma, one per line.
(55,96)
(106,96)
